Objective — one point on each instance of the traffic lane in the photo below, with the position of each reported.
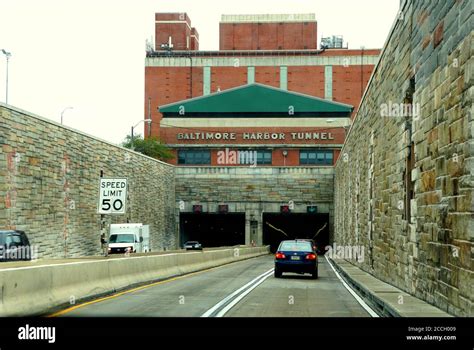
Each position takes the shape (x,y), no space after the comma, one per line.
(295,295)
(189,296)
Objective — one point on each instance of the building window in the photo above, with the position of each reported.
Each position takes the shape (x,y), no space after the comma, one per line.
(264,157)
(316,157)
(194,157)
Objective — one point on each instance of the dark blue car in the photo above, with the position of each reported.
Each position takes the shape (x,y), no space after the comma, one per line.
(296,256)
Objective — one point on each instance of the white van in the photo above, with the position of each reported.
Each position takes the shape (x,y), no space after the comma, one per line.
(132,237)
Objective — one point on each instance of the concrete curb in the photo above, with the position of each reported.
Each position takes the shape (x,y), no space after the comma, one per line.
(38,290)
(382,297)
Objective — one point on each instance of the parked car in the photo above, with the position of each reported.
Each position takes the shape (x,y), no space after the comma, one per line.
(14,245)
(297,256)
(192,245)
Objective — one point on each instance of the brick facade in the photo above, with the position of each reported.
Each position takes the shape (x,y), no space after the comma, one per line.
(268,36)
(168,80)
(178,27)
(334,136)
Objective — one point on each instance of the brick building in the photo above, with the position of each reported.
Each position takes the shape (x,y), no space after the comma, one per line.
(176,26)
(264,57)
(268,32)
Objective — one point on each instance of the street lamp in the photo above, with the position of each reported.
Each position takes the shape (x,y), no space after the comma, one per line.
(7,55)
(62,113)
(133,127)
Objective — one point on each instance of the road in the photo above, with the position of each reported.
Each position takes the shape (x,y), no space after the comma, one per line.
(239,289)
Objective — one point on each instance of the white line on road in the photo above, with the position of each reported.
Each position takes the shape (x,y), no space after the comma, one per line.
(235,294)
(354,294)
(241,296)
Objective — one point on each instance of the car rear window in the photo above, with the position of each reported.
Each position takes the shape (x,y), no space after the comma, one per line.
(296,246)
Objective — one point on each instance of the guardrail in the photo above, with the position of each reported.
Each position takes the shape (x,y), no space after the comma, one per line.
(37,290)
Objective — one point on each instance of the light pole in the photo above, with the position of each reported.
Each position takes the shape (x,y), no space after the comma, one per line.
(133,127)
(62,113)
(7,55)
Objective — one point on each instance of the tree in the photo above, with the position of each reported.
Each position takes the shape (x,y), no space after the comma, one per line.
(150,146)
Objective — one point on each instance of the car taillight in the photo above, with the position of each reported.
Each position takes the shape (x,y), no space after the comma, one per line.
(311,257)
(280,255)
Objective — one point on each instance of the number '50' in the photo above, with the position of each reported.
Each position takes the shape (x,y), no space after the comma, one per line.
(117,204)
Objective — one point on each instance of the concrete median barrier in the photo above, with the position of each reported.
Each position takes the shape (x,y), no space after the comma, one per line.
(37,290)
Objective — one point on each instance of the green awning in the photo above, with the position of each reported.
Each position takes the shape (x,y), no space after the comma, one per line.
(256,98)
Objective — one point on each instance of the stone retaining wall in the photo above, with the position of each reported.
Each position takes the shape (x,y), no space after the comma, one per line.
(404,185)
(49,186)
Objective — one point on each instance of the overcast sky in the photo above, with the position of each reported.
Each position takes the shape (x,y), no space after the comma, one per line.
(89,54)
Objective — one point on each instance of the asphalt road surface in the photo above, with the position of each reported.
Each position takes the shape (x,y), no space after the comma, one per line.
(243,289)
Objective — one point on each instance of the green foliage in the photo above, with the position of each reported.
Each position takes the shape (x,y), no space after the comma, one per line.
(151,146)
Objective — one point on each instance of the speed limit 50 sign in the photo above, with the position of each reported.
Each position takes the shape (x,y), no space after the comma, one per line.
(113,196)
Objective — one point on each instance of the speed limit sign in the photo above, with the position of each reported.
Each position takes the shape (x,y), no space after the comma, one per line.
(112,196)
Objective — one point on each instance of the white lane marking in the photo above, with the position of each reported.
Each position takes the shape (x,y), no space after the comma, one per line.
(241,296)
(354,294)
(213,309)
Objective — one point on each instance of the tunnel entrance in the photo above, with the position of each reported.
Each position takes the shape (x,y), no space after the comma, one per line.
(295,225)
(212,230)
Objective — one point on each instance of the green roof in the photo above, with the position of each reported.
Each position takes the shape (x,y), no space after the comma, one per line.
(256,98)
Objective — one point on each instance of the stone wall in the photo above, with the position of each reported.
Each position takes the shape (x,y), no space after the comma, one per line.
(49,186)
(404,184)
(258,184)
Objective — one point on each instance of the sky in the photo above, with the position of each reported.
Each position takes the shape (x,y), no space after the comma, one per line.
(90,54)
